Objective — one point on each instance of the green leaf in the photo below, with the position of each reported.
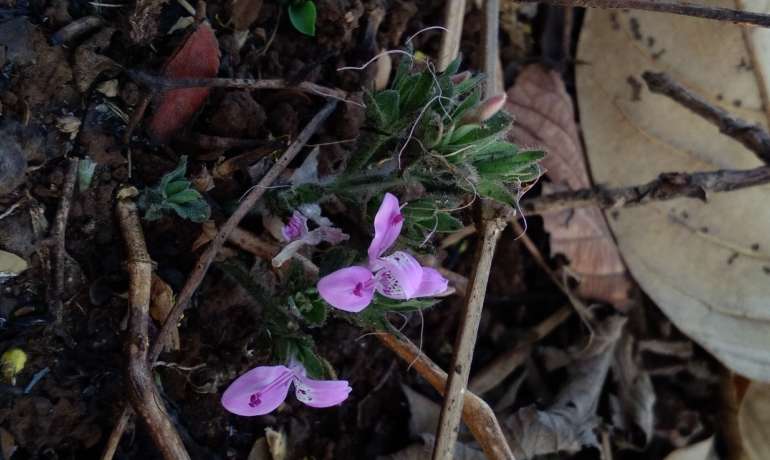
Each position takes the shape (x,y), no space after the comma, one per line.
(185,196)
(310,307)
(495,190)
(471,101)
(177,173)
(313,364)
(453,66)
(196,211)
(303,17)
(417,92)
(469,84)
(387,305)
(384,108)
(504,165)
(177,186)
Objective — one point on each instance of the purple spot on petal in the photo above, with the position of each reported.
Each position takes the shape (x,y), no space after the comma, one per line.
(254,400)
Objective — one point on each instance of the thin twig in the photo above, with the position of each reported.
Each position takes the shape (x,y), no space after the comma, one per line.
(454,13)
(667,186)
(59,239)
(752,136)
(477,414)
(117,432)
(491,29)
(157,83)
(681,8)
(142,391)
(250,242)
(466,340)
(207,257)
(76,28)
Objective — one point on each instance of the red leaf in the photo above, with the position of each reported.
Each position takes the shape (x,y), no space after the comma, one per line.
(197,57)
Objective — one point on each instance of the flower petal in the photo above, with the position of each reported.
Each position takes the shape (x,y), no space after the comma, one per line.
(295,228)
(350,289)
(332,235)
(387,226)
(258,391)
(321,393)
(399,276)
(431,284)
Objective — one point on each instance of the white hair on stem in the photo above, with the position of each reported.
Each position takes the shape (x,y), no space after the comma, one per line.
(411,56)
(425,30)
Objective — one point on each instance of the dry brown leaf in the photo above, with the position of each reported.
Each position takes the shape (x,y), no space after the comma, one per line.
(705,264)
(208,232)
(161,303)
(703,450)
(633,409)
(754,421)
(545,119)
(568,424)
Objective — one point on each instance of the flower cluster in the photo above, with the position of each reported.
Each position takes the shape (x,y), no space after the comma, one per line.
(396,276)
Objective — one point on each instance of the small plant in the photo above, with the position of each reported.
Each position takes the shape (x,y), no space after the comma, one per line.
(174,193)
(302,15)
(429,138)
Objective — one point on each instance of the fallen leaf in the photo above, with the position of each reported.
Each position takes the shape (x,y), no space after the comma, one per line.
(703,450)
(259,451)
(545,119)
(754,421)
(161,303)
(568,424)
(11,264)
(423,412)
(7,443)
(424,450)
(276,443)
(197,57)
(706,264)
(243,13)
(634,414)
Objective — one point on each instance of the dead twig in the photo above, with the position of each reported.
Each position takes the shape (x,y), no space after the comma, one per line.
(477,414)
(58,241)
(117,432)
(207,257)
(667,186)
(681,8)
(752,136)
(159,84)
(76,28)
(142,392)
(454,13)
(466,340)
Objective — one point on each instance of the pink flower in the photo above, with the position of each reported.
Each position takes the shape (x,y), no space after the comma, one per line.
(262,389)
(297,233)
(397,276)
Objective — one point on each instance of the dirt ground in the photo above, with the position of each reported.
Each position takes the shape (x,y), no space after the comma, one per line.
(75,96)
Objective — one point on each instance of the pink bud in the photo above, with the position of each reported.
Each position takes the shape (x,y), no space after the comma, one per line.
(460,77)
(491,106)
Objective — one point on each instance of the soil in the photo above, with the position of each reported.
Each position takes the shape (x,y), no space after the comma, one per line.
(68,396)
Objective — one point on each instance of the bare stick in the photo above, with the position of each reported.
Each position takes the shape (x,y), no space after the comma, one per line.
(491,29)
(752,136)
(682,8)
(466,340)
(516,354)
(117,432)
(157,83)
(667,186)
(142,392)
(475,411)
(59,239)
(205,259)
(454,14)
(250,242)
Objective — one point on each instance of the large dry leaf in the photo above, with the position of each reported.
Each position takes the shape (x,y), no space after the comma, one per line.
(545,119)
(703,450)
(754,421)
(707,265)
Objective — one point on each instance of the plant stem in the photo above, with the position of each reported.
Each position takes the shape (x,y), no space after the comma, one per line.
(681,8)
(476,413)
(466,340)
(454,13)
